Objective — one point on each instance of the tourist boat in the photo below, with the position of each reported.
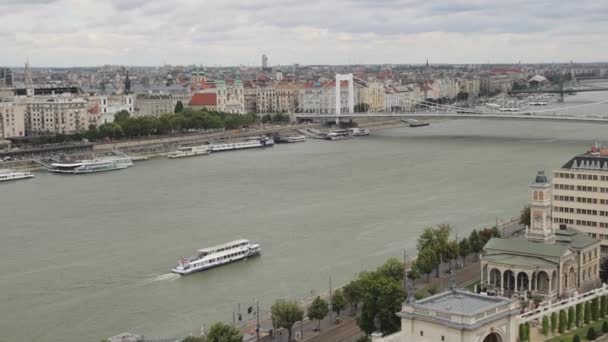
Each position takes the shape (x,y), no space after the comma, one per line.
(10,175)
(91,166)
(254,143)
(337,134)
(358,132)
(291,139)
(190,151)
(219,255)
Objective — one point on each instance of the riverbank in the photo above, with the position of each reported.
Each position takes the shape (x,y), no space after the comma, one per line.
(153,147)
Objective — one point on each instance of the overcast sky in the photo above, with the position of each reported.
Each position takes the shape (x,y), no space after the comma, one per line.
(235,32)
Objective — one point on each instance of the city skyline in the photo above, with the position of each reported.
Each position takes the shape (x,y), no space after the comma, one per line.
(238,32)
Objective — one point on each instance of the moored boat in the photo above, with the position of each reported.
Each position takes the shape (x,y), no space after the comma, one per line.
(219,255)
(291,139)
(358,132)
(253,143)
(91,166)
(337,134)
(190,151)
(10,175)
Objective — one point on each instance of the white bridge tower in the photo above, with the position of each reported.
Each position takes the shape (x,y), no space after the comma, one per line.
(351,94)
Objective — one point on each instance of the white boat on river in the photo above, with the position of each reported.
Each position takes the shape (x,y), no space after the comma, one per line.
(217,256)
(9,175)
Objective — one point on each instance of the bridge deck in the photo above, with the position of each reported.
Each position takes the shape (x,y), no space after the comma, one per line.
(427,115)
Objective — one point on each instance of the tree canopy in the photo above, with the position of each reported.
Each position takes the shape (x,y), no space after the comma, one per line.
(285,314)
(318,310)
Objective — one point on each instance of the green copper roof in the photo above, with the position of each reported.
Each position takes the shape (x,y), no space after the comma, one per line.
(574,239)
(523,246)
(519,260)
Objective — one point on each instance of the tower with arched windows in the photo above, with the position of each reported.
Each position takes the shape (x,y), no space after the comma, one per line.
(541,227)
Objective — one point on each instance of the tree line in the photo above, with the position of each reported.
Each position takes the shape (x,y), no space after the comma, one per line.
(577,316)
(434,247)
(125,126)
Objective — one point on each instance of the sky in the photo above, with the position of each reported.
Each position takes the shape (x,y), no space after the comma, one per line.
(237,32)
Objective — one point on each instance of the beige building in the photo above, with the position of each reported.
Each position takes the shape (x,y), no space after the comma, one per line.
(456,316)
(580,195)
(230,97)
(12,120)
(154,104)
(287,95)
(373,95)
(266,100)
(547,262)
(56,115)
(250,98)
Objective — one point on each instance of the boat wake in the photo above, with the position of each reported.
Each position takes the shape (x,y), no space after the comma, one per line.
(163,277)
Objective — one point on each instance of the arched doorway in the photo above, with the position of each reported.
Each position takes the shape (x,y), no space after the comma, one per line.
(542,281)
(495,277)
(493,337)
(508,281)
(572,277)
(522,281)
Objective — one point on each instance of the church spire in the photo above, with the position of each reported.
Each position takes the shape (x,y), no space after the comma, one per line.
(127,84)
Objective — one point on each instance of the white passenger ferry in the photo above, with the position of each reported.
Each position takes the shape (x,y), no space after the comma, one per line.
(254,143)
(91,166)
(190,151)
(358,132)
(216,256)
(337,134)
(9,175)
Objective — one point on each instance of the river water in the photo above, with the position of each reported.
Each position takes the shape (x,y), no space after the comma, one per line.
(86,257)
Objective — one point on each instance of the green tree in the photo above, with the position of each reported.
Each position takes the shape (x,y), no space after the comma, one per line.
(179,107)
(221,332)
(579,314)
(563,321)
(475,242)
(575,338)
(318,310)
(603,306)
(591,334)
(338,303)
(605,327)
(524,216)
(194,339)
(267,118)
(451,253)
(522,333)
(121,116)
(545,326)
(361,108)
(382,298)
(553,322)
(464,249)
(110,130)
(527,325)
(595,309)
(571,317)
(364,338)
(426,261)
(587,317)
(285,314)
(392,268)
(353,293)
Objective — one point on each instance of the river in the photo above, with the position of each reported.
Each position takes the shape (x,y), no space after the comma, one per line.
(86,257)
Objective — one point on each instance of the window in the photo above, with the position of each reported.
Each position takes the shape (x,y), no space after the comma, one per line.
(421,333)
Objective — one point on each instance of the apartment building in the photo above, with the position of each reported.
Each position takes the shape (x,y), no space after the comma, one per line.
(580,195)
(12,120)
(55,115)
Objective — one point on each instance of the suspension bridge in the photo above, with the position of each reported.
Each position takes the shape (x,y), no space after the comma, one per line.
(323,104)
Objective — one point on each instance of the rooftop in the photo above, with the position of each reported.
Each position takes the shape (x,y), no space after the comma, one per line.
(522,246)
(461,302)
(595,159)
(204,99)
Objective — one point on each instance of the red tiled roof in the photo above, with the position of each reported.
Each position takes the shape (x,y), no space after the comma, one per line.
(205,99)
